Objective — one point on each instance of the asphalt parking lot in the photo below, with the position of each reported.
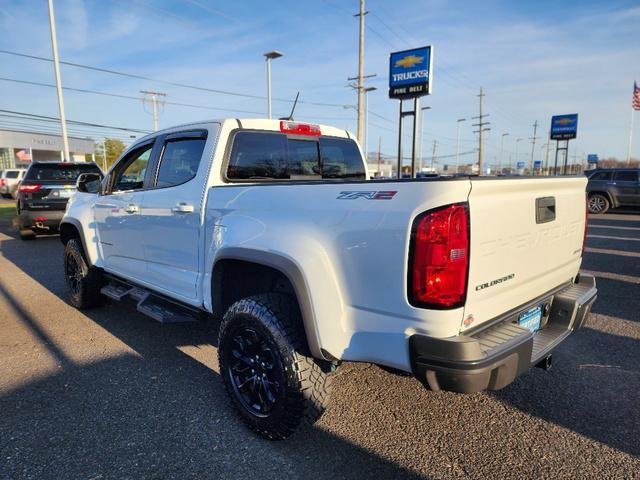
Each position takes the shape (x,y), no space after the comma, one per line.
(112,394)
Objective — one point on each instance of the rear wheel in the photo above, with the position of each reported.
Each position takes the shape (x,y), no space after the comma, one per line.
(598,204)
(273,381)
(83,282)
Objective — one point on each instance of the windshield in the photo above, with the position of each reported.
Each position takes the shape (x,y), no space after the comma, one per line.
(59,171)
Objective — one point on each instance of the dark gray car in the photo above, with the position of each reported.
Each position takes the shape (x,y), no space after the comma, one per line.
(612,188)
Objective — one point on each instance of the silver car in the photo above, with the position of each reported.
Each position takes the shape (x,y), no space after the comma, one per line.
(9,181)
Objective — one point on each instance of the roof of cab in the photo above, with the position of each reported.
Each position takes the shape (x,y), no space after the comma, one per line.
(254,124)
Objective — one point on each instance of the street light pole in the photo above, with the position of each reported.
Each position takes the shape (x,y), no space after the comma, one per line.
(501,151)
(268,57)
(56,69)
(422,137)
(366,120)
(458,122)
(518,140)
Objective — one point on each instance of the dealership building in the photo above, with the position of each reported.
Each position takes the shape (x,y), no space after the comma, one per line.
(18,149)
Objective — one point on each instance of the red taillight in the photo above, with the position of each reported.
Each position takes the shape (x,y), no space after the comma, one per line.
(439,258)
(29,188)
(586,223)
(3,182)
(41,219)
(299,128)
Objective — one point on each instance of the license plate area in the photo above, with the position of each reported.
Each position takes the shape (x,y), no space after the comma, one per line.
(531,319)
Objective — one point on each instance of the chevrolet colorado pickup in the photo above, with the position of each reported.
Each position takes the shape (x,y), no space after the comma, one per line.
(464,282)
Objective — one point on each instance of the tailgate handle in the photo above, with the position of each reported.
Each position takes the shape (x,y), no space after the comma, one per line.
(545,209)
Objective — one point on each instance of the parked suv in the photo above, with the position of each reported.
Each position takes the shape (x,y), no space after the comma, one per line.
(43,195)
(9,181)
(612,188)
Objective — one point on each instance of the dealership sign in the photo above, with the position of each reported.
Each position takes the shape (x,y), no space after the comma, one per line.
(592,158)
(564,127)
(410,73)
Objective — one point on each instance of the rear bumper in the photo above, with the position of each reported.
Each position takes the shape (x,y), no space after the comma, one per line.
(40,219)
(491,358)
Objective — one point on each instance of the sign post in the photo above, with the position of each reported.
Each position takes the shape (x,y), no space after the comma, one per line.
(563,129)
(410,78)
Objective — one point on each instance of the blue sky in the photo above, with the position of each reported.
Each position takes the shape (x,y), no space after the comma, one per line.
(534,59)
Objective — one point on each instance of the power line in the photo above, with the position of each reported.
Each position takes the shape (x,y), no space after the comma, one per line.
(76,122)
(165,82)
(137,99)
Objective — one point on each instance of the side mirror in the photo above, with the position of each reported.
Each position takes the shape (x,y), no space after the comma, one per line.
(89,182)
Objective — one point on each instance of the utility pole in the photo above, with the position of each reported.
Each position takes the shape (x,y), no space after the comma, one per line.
(361,72)
(433,154)
(154,103)
(56,70)
(533,143)
(481,123)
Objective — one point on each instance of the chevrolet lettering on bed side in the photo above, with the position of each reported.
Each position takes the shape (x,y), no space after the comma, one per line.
(274,227)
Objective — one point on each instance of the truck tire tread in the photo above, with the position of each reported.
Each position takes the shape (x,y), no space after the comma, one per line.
(308,381)
(92,280)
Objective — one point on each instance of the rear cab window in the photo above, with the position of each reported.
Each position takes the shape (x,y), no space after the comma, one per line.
(13,174)
(278,156)
(59,172)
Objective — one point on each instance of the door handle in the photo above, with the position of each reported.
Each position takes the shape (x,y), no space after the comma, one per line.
(182,207)
(131,208)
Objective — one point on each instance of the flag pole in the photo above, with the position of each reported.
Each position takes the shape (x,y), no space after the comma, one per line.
(630,137)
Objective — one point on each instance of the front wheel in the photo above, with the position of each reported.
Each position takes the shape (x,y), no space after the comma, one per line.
(83,282)
(273,381)
(598,204)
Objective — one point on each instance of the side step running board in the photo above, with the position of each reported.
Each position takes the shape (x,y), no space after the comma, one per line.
(149,304)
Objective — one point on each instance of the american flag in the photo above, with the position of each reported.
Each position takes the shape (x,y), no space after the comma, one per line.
(635,100)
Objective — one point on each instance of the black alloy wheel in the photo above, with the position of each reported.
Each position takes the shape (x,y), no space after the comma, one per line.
(255,372)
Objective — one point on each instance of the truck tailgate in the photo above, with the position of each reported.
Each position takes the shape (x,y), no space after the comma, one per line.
(526,239)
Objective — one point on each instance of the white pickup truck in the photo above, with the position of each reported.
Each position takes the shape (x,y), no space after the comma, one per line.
(274,226)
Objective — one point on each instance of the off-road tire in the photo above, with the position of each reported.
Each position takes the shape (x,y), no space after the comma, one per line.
(86,293)
(306,386)
(598,204)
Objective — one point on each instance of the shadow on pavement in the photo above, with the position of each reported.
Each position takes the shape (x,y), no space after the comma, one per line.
(155,413)
(593,391)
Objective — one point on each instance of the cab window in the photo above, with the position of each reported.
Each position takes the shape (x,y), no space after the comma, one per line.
(627,176)
(180,161)
(601,176)
(130,174)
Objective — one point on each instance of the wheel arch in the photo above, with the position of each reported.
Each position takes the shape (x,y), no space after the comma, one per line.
(605,194)
(72,228)
(266,263)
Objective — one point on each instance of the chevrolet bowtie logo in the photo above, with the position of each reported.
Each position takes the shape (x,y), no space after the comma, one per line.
(409,61)
(564,121)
